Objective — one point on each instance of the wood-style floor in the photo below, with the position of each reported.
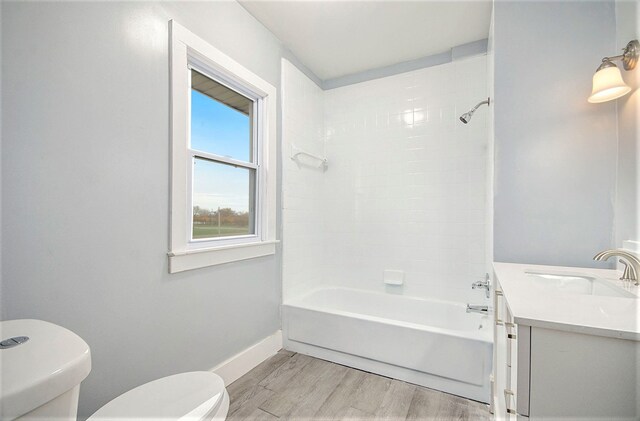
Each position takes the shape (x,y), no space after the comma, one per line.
(292,386)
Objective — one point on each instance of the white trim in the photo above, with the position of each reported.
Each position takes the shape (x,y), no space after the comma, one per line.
(207,156)
(186,48)
(198,258)
(243,362)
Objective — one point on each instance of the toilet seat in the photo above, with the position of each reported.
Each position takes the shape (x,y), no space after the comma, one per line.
(193,396)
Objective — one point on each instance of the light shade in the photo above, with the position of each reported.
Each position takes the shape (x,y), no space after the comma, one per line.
(608,85)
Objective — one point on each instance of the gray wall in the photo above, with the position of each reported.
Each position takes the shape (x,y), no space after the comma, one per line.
(628,197)
(555,169)
(85,182)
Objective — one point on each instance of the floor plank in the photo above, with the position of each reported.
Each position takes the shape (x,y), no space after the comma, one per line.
(298,384)
(396,402)
(246,409)
(260,415)
(352,414)
(281,377)
(430,404)
(370,393)
(309,405)
(244,388)
(339,401)
(292,386)
(424,405)
(479,411)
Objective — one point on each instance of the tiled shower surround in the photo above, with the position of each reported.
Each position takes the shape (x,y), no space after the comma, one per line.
(303,185)
(405,188)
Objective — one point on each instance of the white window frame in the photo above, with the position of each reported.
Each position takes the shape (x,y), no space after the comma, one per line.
(190,51)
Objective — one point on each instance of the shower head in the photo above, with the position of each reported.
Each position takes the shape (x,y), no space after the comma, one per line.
(466,117)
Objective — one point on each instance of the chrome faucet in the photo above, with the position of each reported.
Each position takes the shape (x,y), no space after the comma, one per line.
(632,263)
(477,309)
(486,285)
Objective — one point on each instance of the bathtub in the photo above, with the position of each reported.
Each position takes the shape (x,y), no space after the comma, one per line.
(426,342)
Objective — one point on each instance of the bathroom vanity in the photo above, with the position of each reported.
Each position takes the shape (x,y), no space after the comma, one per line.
(566,344)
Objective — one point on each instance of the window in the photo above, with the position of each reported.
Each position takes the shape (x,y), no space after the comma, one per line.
(223,157)
(224,161)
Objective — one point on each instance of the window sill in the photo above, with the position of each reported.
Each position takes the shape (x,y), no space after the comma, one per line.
(200,258)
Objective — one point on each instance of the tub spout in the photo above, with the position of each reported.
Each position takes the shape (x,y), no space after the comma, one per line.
(477,309)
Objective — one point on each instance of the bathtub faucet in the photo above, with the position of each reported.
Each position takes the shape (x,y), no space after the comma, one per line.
(477,309)
(486,285)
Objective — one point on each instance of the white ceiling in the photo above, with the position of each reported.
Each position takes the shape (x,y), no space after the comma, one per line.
(336,38)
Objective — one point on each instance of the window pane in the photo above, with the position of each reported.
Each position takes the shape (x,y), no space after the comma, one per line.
(223,198)
(220,119)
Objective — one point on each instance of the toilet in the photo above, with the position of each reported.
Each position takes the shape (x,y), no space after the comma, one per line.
(42,366)
(194,396)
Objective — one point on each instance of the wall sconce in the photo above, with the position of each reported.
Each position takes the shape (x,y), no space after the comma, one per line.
(607,81)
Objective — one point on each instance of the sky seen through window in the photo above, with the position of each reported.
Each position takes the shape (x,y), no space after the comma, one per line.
(221,130)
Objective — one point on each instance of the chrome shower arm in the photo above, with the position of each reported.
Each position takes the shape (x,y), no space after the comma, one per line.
(486,101)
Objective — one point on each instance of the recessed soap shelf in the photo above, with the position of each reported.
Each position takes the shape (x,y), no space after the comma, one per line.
(297,153)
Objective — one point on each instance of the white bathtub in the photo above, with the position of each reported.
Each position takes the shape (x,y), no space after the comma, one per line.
(426,342)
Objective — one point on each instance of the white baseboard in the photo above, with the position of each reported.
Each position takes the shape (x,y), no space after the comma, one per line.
(241,363)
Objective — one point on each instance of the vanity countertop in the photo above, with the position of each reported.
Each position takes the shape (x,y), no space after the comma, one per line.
(532,305)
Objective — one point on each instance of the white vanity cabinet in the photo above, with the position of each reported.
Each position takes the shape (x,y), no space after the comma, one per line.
(552,374)
(511,362)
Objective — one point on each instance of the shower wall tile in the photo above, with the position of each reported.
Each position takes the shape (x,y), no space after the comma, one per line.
(406,185)
(302,130)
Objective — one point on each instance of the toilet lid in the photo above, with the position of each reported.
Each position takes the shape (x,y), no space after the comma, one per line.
(185,397)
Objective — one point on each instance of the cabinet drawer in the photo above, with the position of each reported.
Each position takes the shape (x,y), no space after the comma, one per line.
(498,306)
(511,364)
(520,340)
(509,404)
(517,361)
(510,414)
(509,336)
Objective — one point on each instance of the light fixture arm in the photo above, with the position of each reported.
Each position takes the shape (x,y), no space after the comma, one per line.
(629,56)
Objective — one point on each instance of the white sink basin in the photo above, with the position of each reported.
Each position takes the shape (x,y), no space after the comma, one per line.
(576,284)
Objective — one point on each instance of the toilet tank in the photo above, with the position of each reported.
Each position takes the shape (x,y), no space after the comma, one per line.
(41,367)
